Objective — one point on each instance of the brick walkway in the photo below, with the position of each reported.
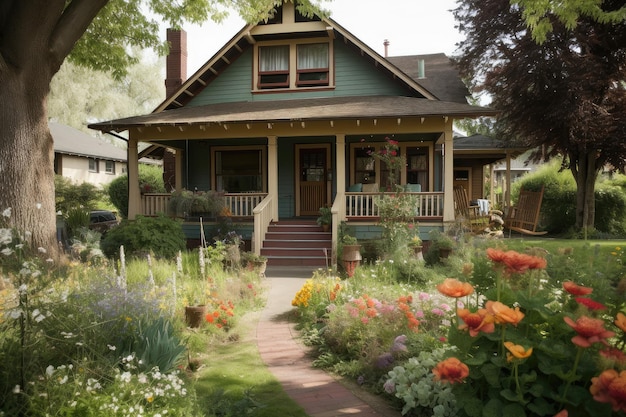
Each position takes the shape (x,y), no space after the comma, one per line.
(317,392)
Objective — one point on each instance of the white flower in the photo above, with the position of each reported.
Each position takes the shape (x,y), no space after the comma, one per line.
(17,389)
(38,205)
(42,250)
(63,380)
(49,370)
(7,213)
(111,347)
(59,213)
(7,251)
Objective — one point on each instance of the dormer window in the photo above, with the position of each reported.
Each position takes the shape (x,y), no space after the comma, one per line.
(274,66)
(294,65)
(312,64)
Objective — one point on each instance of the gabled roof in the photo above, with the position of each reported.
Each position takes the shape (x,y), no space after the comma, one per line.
(446,86)
(70,141)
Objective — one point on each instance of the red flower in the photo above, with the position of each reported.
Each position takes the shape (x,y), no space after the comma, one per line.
(614,354)
(480,321)
(589,331)
(496,255)
(455,288)
(610,387)
(451,370)
(590,304)
(576,289)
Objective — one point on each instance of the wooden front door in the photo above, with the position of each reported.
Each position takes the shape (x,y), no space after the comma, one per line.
(312,185)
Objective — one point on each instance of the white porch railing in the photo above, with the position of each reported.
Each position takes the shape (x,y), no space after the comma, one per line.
(262,218)
(242,205)
(154,204)
(363,205)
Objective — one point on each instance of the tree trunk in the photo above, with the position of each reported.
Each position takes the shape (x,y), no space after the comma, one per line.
(585,174)
(27,153)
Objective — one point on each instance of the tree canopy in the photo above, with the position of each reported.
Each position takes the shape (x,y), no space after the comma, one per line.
(36,37)
(566,94)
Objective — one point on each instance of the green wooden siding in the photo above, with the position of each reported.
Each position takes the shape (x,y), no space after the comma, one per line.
(354,76)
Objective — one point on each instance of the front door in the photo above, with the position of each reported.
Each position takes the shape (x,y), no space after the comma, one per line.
(312,185)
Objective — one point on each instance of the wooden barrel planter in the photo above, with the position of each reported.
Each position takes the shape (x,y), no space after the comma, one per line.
(194,315)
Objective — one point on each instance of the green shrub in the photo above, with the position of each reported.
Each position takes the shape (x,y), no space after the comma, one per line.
(156,345)
(76,220)
(610,209)
(150,180)
(161,235)
(69,195)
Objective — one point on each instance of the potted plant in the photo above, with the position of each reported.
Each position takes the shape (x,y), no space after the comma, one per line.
(444,244)
(325,218)
(255,262)
(350,253)
(416,246)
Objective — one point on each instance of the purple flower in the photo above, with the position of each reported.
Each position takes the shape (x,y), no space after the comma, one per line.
(384,361)
(399,344)
(389,387)
(438,311)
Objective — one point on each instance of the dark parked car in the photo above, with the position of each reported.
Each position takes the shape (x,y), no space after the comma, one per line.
(102,220)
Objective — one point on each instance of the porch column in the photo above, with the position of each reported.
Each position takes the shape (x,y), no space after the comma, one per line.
(448,174)
(272,172)
(340,162)
(132,163)
(178,169)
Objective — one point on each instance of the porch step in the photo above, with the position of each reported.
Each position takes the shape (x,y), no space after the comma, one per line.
(297,243)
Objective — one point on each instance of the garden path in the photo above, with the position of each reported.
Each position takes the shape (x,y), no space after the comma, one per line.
(317,392)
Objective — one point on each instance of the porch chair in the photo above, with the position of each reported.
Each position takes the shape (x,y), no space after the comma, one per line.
(524,217)
(471,217)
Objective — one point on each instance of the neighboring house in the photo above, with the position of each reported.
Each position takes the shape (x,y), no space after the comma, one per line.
(85,158)
(283,116)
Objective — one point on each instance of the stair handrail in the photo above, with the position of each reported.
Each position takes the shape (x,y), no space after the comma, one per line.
(338,211)
(262,219)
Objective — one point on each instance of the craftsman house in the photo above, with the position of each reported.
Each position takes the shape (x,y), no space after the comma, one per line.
(282,117)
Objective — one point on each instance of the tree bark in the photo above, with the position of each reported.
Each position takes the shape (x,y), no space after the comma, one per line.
(585,172)
(26,156)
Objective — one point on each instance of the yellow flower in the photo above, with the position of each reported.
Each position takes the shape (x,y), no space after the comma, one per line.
(517,351)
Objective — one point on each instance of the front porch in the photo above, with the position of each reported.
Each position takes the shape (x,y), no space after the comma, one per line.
(254,212)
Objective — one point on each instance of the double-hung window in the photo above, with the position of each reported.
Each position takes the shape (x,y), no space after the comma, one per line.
(274,66)
(294,65)
(312,64)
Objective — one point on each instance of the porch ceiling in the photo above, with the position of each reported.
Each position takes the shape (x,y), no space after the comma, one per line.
(335,108)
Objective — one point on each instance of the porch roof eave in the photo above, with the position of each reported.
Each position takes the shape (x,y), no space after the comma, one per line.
(301,110)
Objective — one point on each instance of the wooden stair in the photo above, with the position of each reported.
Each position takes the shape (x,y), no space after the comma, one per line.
(297,243)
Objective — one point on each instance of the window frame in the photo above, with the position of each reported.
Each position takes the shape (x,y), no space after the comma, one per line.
(111,170)
(320,70)
(96,165)
(263,158)
(260,74)
(294,73)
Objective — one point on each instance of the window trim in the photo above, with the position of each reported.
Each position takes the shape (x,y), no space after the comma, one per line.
(106,167)
(293,77)
(378,169)
(96,163)
(260,148)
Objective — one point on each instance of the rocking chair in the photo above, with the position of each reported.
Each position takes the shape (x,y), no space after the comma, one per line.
(470,216)
(524,217)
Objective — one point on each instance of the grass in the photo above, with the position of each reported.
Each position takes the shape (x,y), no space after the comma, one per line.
(233,373)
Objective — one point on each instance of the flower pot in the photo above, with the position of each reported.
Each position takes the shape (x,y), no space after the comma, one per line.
(351,257)
(194,315)
(417,252)
(444,252)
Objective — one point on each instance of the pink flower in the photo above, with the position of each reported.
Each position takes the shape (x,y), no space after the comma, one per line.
(589,331)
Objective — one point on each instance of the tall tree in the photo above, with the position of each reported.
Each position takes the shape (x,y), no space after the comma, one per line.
(567,93)
(36,36)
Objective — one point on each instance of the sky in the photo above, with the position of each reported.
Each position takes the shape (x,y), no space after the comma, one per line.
(412,27)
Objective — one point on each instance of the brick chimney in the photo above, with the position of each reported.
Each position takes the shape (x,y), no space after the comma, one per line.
(176,63)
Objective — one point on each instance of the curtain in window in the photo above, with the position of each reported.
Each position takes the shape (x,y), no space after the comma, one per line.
(274,58)
(312,56)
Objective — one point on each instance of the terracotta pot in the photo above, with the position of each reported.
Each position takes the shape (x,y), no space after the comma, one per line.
(351,257)
(194,315)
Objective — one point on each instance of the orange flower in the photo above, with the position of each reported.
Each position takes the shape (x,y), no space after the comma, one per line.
(620,321)
(496,255)
(504,314)
(589,331)
(480,321)
(576,289)
(610,387)
(451,370)
(517,351)
(455,288)
(518,262)
(562,413)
